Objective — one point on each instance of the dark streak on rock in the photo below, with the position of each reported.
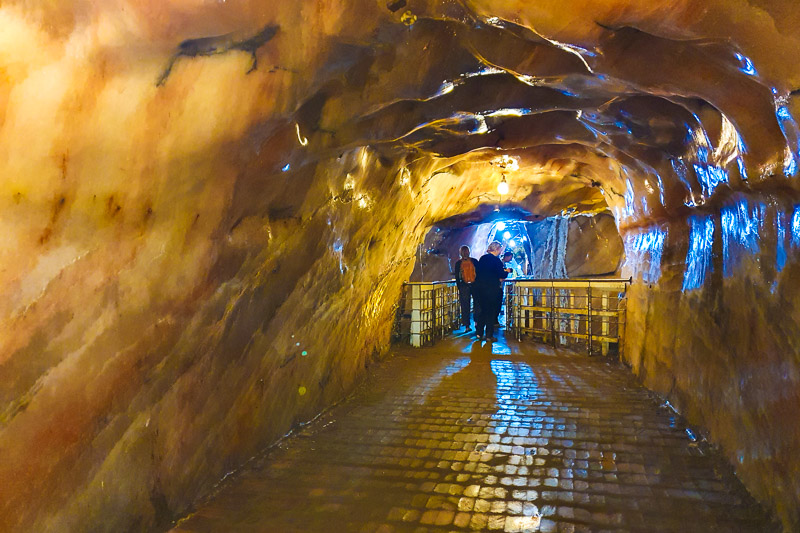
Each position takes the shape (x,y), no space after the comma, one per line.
(112,207)
(58,206)
(394,6)
(46,235)
(64,164)
(607,27)
(219,44)
(287,361)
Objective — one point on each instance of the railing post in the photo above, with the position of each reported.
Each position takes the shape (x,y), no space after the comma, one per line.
(622,312)
(589,316)
(572,322)
(553,312)
(604,330)
(545,324)
(416,316)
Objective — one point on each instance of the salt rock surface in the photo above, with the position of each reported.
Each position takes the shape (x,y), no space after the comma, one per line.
(197,194)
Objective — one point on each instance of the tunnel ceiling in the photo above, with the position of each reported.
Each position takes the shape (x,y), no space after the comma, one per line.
(651,110)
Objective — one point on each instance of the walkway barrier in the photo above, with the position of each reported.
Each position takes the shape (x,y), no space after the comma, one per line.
(427,311)
(581,313)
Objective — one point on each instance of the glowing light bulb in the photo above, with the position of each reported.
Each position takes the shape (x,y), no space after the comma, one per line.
(502,187)
(501,226)
(512,243)
(507,235)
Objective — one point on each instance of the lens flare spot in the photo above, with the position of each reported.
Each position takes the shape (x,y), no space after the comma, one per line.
(408,18)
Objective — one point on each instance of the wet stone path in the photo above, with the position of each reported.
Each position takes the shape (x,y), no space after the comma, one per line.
(504,437)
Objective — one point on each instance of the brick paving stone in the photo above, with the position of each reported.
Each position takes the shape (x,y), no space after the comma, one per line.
(514,437)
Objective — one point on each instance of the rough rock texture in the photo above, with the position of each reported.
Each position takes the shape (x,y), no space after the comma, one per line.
(594,246)
(208,209)
(712,324)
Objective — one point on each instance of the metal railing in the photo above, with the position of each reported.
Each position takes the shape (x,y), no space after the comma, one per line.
(427,311)
(584,314)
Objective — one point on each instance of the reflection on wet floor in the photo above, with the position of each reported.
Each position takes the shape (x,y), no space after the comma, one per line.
(470,436)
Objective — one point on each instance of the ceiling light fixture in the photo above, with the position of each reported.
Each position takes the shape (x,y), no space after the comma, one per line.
(502,187)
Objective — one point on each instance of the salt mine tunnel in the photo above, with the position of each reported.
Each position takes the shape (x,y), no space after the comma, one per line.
(210,208)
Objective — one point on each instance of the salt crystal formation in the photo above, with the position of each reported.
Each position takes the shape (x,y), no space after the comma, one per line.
(208,210)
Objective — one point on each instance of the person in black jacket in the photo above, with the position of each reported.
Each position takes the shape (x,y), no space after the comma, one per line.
(465,295)
(488,290)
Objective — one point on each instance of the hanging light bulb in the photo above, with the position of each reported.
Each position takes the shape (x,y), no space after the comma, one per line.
(501,225)
(502,187)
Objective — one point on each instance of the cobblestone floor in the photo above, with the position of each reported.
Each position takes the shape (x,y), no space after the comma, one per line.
(504,437)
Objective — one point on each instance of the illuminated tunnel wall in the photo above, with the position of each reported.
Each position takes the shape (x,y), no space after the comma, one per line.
(208,210)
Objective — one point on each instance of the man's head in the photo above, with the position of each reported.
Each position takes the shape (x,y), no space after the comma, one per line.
(508,256)
(464,252)
(495,248)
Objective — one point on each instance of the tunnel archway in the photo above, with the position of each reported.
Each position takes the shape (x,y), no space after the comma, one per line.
(560,246)
(211,209)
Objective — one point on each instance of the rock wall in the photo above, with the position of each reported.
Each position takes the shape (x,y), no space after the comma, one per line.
(135,382)
(594,247)
(713,317)
(208,209)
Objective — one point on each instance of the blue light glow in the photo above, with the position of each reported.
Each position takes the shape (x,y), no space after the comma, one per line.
(698,257)
(780,254)
(790,131)
(710,177)
(790,165)
(648,248)
(681,171)
(516,385)
(629,198)
(286,168)
(741,225)
(742,168)
(796,227)
(747,65)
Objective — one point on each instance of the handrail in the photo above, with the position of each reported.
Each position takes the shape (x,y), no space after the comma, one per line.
(588,280)
(588,311)
(568,311)
(428,310)
(523,278)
